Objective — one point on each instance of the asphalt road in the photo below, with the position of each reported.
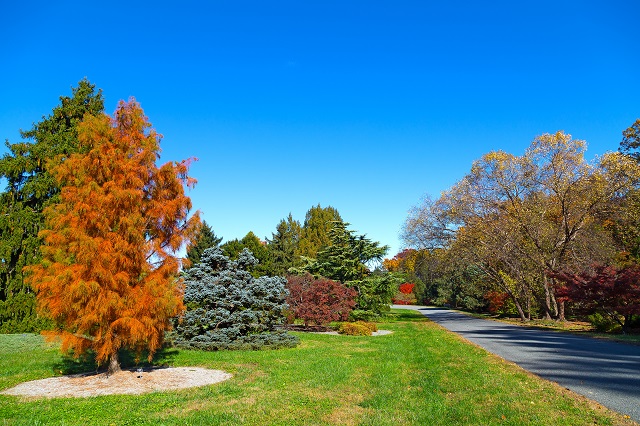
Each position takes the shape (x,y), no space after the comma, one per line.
(606,372)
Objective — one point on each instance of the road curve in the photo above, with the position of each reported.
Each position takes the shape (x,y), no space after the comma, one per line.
(604,371)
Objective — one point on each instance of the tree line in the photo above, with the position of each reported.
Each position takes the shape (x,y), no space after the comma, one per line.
(529,234)
(91,229)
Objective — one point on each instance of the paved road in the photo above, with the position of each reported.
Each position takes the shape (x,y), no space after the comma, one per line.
(606,372)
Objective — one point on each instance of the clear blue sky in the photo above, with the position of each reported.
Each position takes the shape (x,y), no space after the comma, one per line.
(362,105)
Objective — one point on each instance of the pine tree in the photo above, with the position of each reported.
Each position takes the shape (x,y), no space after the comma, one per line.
(109,272)
(205,238)
(31,188)
(227,308)
(284,246)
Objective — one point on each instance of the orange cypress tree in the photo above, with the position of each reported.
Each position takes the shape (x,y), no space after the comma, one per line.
(109,273)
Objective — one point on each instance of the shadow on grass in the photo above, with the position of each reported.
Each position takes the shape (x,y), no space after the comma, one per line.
(87,363)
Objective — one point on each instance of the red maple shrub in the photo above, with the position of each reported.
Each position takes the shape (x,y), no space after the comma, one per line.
(406,288)
(609,290)
(405,295)
(497,300)
(319,301)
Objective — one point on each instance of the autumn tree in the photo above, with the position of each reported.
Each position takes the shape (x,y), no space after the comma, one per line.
(631,141)
(516,217)
(108,277)
(607,289)
(31,188)
(204,238)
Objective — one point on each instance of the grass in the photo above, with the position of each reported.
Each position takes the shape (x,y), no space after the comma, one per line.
(419,375)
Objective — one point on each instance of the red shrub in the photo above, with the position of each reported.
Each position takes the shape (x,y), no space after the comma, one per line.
(406,288)
(496,300)
(318,302)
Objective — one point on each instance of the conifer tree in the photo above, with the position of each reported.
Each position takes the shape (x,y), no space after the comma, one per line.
(30,188)
(284,246)
(315,231)
(205,238)
(227,308)
(109,272)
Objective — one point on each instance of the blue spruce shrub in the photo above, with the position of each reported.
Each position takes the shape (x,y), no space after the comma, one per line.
(227,308)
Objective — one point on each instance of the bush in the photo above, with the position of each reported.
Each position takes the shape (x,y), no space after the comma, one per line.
(375,294)
(354,329)
(370,325)
(227,308)
(603,323)
(319,301)
(360,315)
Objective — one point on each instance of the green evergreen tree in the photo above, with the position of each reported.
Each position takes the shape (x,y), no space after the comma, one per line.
(348,256)
(314,235)
(205,239)
(256,246)
(228,308)
(283,246)
(30,188)
(349,259)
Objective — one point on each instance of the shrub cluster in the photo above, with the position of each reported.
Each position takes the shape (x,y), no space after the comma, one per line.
(227,308)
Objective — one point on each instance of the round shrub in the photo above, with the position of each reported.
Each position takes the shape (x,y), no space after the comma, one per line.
(354,329)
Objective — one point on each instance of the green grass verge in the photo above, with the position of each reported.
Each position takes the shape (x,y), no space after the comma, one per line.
(419,375)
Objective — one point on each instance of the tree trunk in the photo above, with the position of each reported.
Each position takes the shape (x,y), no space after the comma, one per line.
(547,299)
(516,302)
(114,364)
(561,311)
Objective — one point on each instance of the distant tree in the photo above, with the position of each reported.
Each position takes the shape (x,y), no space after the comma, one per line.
(109,272)
(348,259)
(30,188)
(314,235)
(205,238)
(516,217)
(283,246)
(319,301)
(256,246)
(227,308)
(631,141)
(612,291)
(348,255)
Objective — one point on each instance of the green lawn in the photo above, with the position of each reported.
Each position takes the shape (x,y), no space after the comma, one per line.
(419,375)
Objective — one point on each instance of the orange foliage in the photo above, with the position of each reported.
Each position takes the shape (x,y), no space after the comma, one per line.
(109,271)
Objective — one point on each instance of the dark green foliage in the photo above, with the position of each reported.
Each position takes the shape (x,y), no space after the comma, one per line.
(227,308)
(30,188)
(375,293)
(205,239)
(348,255)
(257,247)
(283,246)
(347,259)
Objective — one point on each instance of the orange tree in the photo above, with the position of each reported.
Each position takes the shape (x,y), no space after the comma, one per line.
(109,272)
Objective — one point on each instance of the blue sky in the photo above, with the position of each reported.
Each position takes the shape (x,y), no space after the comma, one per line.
(362,105)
